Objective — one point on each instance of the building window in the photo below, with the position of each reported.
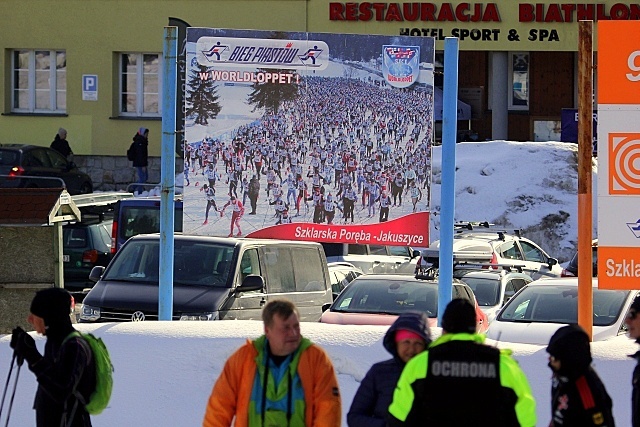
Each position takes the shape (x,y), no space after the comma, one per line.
(519,81)
(39,81)
(140,84)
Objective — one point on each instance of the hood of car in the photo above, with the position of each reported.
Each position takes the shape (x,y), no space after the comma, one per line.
(144,296)
(337,318)
(538,333)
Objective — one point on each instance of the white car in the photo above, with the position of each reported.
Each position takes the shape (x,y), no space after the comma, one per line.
(489,244)
(493,288)
(543,306)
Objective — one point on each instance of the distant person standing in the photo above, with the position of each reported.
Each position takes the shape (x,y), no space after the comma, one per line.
(633,323)
(61,145)
(578,396)
(140,156)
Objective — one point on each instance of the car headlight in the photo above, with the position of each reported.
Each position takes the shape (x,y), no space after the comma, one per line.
(90,314)
(200,316)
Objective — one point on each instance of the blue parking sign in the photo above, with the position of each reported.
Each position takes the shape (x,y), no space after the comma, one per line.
(89,87)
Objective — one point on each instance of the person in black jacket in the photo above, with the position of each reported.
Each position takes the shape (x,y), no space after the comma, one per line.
(633,323)
(66,374)
(406,337)
(578,397)
(140,156)
(61,145)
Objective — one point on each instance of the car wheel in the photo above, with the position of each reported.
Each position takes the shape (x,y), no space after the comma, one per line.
(86,188)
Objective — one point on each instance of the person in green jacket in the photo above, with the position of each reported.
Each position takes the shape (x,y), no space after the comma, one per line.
(460,381)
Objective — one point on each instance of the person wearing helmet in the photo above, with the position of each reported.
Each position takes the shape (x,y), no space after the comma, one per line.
(406,337)
(578,396)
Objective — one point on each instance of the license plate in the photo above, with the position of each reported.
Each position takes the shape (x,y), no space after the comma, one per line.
(65,258)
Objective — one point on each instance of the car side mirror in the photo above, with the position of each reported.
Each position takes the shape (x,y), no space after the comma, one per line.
(551,262)
(252,282)
(326,306)
(96,273)
(415,254)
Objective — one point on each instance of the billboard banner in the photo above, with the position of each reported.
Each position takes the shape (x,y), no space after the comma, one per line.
(308,136)
(618,152)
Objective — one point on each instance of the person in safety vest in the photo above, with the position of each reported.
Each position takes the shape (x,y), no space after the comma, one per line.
(280,379)
(460,381)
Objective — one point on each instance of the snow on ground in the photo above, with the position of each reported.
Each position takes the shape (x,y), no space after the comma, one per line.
(164,371)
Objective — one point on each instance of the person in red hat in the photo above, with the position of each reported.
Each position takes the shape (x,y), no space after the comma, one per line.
(406,337)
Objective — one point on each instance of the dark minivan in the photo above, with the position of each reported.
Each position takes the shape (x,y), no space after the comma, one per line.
(213,278)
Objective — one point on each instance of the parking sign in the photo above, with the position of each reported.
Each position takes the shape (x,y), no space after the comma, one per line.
(89,87)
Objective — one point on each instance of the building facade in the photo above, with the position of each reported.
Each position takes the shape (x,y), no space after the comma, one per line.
(95,67)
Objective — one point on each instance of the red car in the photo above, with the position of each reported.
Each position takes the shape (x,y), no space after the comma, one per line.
(378,299)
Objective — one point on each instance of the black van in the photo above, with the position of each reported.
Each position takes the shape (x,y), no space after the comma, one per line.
(213,278)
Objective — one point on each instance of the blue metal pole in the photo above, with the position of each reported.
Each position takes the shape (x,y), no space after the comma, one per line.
(447,195)
(168,172)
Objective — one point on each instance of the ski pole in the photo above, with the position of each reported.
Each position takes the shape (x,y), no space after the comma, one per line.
(13,394)
(6,386)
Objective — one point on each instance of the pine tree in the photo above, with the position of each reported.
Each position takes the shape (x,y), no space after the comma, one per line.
(269,95)
(202,98)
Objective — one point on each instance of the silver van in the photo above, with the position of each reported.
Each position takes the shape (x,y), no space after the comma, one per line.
(214,278)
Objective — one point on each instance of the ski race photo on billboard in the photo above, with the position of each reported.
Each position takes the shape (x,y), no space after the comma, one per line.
(308,136)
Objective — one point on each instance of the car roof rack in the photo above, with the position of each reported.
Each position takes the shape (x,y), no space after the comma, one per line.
(97,205)
(484,227)
(484,266)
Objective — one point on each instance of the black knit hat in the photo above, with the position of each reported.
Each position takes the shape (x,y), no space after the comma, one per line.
(635,305)
(570,345)
(459,316)
(52,304)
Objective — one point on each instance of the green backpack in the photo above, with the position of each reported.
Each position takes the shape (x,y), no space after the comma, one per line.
(99,399)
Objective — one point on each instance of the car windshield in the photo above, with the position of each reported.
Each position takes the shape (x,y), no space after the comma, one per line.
(559,304)
(366,295)
(195,263)
(487,291)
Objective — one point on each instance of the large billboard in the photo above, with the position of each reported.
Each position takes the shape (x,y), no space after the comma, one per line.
(618,155)
(308,136)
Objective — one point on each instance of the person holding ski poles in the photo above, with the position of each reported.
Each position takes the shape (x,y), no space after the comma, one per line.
(66,373)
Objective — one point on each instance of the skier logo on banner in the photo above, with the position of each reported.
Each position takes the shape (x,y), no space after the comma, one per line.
(400,65)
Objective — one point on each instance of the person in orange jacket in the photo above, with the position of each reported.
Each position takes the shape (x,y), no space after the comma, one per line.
(279,379)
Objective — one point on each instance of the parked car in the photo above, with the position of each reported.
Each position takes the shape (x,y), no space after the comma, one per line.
(85,245)
(341,274)
(140,215)
(213,278)
(378,299)
(496,246)
(493,288)
(543,306)
(373,259)
(32,166)
(571,268)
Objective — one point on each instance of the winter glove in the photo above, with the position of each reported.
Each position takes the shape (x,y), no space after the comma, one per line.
(24,346)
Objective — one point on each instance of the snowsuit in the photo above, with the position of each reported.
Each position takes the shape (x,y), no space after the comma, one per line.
(433,385)
(234,394)
(371,402)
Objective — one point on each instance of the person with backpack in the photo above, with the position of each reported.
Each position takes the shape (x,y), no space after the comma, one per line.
(66,373)
(138,154)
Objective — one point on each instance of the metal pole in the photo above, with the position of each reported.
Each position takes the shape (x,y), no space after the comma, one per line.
(447,195)
(585,152)
(168,172)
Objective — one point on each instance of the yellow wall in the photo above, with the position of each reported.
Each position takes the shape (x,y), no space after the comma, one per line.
(92,32)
